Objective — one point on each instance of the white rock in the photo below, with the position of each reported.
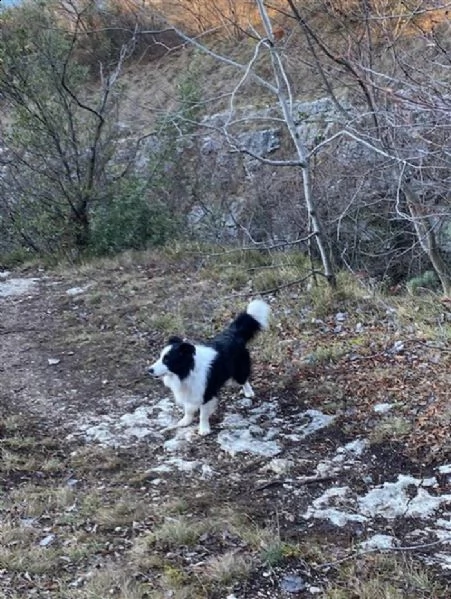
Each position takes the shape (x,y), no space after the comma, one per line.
(77,290)
(48,540)
(391,499)
(383,408)
(279,465)
(378,541)
(12,287)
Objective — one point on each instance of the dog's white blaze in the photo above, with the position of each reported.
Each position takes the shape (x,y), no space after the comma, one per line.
(259,310)
(159,369)
(190,391)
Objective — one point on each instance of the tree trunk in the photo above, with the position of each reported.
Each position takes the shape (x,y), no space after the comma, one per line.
(316,227)
(428,240)
(286,104)
(81,226)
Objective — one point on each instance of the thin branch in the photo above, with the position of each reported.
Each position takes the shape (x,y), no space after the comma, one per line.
(278,288)
(400,548)
(246,74)
(337,59)
(262,246)
(304,480)
(241,67)
(364,142)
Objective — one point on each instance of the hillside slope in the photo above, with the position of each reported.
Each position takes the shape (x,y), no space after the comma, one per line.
(334,480)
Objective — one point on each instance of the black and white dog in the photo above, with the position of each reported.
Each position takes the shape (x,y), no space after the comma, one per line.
(196,373)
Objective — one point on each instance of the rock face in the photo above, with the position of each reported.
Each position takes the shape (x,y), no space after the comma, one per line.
(244,192)
(218,183)
(259,132)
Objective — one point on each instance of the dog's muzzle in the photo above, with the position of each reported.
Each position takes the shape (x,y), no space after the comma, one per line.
(155,374)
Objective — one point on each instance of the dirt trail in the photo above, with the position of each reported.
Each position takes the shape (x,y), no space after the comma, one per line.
(26,333)
(60,370)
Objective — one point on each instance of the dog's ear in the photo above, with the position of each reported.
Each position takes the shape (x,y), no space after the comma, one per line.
(174,340)
(187,348)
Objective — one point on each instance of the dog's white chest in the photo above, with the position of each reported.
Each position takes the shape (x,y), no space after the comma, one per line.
(183,391)
(190,390)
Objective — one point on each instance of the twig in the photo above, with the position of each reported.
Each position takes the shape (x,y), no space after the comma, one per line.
(17,331)
(385,550)
(290,283)
(306,480)
(275,289)
(430,346)
(259,246)
(262,246)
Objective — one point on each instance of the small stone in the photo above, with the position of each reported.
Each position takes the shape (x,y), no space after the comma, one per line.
(397,348)
(315,590)
(292,583)
(383,408)
(280,465)
(48,540)
(77,290)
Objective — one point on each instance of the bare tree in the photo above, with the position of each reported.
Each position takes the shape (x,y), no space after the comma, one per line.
(265,46)
(60,144)
(388,74)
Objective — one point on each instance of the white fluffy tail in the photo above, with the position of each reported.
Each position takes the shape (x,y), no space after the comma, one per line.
(261,311)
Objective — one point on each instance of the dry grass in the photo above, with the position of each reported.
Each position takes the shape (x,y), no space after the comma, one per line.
(177,531)
(427,315)
(227,568)
(391,427)
(31,559)
(384,577)
(33,501)
(122,513)
(109,581)
(117,533)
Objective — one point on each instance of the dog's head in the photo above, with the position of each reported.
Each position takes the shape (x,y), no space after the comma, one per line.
(176,358)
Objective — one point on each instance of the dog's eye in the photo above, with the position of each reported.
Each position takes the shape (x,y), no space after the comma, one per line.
(165,360)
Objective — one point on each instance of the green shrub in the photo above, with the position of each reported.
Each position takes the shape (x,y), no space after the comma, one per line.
(130,220)
(427,280)
(14,257)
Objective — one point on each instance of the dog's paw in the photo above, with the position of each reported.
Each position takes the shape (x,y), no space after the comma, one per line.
(169,428)
(204,431)
(247,391)
(185,421)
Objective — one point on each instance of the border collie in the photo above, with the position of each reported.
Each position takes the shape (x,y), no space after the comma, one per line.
(196,373)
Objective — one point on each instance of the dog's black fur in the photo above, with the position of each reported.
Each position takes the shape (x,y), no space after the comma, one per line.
(233,360)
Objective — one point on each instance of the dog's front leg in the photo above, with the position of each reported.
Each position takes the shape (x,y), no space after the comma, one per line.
(206,410)
(187,418)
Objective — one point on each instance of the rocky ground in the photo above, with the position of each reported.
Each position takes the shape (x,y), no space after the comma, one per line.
(334,481)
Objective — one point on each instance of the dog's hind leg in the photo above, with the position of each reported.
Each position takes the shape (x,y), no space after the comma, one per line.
(247,390)
(242,371)
(206,410)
